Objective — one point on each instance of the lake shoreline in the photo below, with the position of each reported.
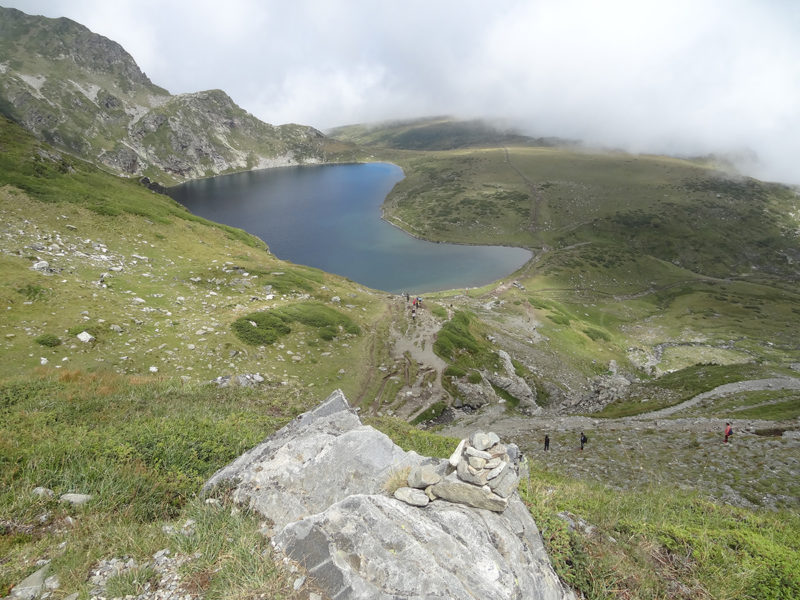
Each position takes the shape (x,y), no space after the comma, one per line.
(333,219)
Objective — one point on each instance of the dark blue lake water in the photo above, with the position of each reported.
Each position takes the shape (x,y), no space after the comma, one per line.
(329,217)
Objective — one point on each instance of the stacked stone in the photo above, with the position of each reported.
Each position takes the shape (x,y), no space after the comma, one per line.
(485,475)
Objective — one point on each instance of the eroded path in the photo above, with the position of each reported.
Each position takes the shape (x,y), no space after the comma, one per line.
(754,385)
(411,378)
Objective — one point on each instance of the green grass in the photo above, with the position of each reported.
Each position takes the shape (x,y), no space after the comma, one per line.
(434,411)
(48,339)
(775,405)
(683,385)
(410,438)
(47,176)
(460,341)
(652,544)
(264,328)
(142,450)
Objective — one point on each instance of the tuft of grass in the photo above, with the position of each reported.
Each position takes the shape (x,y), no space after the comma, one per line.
(48,339)
(134,582)
(397,479)
(260,328)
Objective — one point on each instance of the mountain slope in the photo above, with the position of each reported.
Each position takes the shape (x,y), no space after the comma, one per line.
(436,133)
(85,94)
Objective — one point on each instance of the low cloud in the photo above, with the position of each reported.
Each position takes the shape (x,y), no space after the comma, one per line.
(680,77)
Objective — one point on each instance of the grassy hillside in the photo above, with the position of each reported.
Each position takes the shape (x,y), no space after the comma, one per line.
(130,416)
(173,301)
(436,133)
(157,287)
(655,263)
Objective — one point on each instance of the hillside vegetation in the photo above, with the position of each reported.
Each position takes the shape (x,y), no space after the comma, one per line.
(654,280)
(654,263)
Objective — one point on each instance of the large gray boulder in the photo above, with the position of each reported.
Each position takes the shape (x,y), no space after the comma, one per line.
(377,548)
(319,480)
(320,458)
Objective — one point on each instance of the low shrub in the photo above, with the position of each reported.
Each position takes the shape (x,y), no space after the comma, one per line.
(429,414)
(559,319)
(49,340)
(396,480)
(454,371)
(597,334)
(260,328)
(265,327)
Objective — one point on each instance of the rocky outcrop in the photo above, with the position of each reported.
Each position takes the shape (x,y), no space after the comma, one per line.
(475,395)
(319,482)
(514,385)
(77,90)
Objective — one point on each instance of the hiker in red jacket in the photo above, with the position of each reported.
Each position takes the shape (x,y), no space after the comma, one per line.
(728,431)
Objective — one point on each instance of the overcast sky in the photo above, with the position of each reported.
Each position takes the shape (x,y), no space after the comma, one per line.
(685,77)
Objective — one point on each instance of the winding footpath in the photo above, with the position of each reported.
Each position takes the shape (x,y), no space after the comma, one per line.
(753,385)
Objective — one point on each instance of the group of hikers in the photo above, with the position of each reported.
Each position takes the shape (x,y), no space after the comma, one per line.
(416,303)
(583,439)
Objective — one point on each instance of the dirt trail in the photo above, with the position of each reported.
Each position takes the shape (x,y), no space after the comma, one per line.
(494,417)
(412,339)
(754,385)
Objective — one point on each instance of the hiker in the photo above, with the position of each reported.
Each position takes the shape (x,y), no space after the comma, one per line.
(584,439)
(414,313)
(728,431)
(407,296)
(546,442)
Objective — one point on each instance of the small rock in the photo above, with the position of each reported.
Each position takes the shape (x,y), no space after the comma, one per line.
(85,337)
(32,586)
(76,499)
(43,491)
(455,457)
(412,496)
(423,477)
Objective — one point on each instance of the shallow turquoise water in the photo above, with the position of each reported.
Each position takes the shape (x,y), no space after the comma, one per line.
(329,217)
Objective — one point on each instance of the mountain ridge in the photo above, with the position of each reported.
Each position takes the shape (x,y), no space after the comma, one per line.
(85,94)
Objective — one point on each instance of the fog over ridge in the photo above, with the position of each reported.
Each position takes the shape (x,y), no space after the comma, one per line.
(681,77)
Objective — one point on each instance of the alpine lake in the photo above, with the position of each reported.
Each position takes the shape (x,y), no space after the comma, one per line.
(329,217)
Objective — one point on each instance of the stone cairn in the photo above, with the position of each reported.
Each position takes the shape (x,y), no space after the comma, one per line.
(481,473)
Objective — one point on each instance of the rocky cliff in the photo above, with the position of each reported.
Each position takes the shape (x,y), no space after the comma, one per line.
(321,482)
(85,94)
